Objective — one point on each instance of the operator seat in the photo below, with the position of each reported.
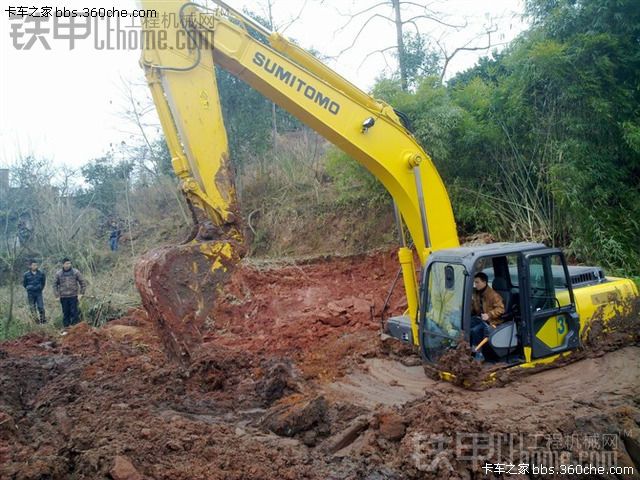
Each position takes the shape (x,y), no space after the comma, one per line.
(500,285)
(504,339)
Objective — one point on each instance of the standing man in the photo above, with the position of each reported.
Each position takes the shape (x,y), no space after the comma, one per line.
(34,281)
(69,285)
(114,236)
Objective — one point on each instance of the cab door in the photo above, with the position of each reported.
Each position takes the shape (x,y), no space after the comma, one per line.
(549,311)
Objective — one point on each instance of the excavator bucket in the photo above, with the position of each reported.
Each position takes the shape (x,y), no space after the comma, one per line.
(179,286)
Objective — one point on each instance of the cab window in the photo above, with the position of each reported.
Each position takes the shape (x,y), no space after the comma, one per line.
(541,283)
(446,296)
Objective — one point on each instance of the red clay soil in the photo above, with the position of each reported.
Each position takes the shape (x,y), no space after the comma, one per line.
(293,382)
(318,314)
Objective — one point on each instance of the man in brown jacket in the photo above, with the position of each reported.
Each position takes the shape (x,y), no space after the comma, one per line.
(487,308)
(67,286)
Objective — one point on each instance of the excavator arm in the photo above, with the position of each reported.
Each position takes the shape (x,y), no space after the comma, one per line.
(183,84)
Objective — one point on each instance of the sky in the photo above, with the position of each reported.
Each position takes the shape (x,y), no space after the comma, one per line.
(66,105)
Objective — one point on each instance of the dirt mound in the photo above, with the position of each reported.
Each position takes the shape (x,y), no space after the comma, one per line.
(293,381)
(106,400)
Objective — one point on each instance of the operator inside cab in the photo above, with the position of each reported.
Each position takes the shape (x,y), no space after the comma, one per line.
(487,309)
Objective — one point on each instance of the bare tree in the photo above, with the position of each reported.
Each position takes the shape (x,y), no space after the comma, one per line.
(420,19)
(471,45)
(138,111)
(274,123)
(267,14)
(17,211)
(10,255)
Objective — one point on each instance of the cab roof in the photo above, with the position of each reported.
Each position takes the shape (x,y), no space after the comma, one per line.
(468,254)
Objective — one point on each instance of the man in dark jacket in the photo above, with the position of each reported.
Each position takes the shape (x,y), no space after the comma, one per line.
(34,281)
(487,308)
(68,286)
(114,236)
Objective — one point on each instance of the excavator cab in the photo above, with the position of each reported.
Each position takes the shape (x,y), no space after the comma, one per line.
(540,318)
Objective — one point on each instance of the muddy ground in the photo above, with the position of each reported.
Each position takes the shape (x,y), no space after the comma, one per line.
(295,382)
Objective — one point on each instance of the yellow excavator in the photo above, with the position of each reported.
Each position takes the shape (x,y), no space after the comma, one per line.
(548,304)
